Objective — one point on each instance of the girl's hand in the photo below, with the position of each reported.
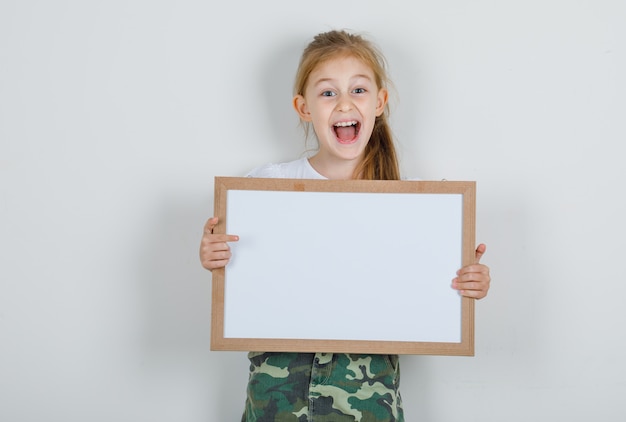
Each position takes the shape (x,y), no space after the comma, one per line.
(473,280)
(214,249)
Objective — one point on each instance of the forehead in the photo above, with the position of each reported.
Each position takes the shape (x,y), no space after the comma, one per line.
(340,68)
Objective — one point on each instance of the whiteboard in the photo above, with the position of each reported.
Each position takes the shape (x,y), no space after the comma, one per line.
(342,265)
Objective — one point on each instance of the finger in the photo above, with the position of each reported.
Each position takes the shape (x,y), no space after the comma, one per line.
(223,238)
(219,264)
(474,288)
(223,255)
(214,264)
(212,259)
(470,285)
(474,294)
(480,250)
(210,224)
(475,270)
(464,280)
(210,250)
(473,284)
(482,278)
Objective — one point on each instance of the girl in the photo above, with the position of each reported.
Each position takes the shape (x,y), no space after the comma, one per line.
(341,90)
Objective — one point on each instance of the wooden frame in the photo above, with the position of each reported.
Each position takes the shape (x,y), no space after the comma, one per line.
(244,296)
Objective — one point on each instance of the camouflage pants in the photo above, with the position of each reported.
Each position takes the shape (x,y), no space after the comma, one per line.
(323,387)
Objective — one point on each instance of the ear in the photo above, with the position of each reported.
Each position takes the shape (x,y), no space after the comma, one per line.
(383,97)
(299,104)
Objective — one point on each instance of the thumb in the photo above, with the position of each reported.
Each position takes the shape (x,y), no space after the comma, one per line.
(210,225)
(480,250)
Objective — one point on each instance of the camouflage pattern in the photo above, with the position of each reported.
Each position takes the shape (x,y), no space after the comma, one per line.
(323,387)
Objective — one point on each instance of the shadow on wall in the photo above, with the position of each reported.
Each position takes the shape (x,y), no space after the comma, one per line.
(176,293)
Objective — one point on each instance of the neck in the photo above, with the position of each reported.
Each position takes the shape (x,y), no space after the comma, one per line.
(334,169)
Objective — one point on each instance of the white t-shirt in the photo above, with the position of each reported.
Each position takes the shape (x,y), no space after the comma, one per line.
(297,169)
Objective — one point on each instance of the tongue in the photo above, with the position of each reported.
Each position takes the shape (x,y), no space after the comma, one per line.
(345,133)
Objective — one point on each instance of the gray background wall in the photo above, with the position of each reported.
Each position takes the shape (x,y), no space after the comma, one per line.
(115,116)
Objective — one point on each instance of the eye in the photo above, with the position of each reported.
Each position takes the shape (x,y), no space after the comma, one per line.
(328,94)
(359,91)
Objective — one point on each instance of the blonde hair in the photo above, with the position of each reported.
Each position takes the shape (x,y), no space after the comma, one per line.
(379,159)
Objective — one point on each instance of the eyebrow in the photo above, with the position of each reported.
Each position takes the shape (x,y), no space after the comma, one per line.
(321,80)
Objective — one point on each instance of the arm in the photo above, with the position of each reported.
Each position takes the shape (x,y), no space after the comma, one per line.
(473,280)
(214,249)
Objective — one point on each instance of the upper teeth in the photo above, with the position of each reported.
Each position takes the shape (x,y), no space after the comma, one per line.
(352,123)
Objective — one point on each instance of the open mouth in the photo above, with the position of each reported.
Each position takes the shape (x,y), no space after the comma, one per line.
(347,132)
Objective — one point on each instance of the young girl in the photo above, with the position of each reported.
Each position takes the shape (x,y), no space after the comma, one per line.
(341,89)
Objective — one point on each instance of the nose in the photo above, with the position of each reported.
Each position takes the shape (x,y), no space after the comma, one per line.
(344,104)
